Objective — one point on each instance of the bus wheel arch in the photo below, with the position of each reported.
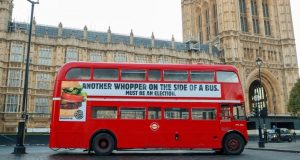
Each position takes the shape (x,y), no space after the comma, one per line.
(237,139)
(107,134)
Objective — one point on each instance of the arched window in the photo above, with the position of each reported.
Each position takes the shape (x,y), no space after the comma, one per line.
(266,18)
(255,19)
(200,25)
(257,90)
(207,20)
(243,15)
(216,27)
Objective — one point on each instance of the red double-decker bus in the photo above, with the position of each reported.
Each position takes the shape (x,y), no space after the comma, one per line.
(103,107)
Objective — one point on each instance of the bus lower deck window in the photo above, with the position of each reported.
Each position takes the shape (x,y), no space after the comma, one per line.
(203,114)
(154,113)
(239,112)
(104,112)
(132,113)
(225,112)
(176,113)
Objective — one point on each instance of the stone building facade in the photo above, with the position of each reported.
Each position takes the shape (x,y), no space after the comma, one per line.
(214,32)
(245,30)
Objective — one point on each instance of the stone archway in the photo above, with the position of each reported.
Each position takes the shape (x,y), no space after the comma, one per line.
(273,101)
(257,89)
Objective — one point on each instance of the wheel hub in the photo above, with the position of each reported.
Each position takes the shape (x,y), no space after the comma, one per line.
(103,144)
(233,144)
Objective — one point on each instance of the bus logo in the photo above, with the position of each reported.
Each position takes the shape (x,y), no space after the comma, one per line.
(154,126)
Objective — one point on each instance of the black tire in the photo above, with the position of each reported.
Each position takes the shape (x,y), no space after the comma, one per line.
(103,144)
(219,152)
(233,144)
(290,139)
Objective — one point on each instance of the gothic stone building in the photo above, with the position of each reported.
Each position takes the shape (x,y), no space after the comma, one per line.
(214,32)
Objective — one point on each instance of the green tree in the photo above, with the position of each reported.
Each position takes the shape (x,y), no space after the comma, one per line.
(294,101)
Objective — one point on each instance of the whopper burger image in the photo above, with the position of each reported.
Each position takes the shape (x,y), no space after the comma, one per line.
(72,98)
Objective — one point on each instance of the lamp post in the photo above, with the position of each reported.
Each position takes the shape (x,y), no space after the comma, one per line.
(20,148)
(261,143)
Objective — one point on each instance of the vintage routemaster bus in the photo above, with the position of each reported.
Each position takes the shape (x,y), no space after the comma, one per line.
(103,107)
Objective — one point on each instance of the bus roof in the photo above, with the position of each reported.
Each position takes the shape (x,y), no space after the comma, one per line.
(212,67)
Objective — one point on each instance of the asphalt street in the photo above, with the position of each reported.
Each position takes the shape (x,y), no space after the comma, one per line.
(44,153)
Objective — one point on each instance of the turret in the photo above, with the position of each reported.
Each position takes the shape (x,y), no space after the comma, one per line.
(6,7)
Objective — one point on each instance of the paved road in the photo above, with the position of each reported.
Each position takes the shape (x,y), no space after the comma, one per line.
(282,146)
(44,153)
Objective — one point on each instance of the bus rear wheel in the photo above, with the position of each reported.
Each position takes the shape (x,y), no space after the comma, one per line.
(233,144)
(103,144)
(219,152)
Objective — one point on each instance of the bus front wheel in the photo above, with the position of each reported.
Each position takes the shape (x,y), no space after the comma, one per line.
(103,144)
(233,144)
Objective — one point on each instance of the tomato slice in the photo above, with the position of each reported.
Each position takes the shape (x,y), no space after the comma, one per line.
(72,97)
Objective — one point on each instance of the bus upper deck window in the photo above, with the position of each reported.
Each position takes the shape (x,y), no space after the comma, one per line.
(154,75)
(79,73)
(106,74)
(175,75)
(202,76)
(227,77)
(128,74)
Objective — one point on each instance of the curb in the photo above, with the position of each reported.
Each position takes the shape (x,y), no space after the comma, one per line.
(273,149)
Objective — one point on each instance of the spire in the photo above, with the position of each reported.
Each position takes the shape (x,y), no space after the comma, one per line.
(96,38)
(152,40)
(60,29)
(108,31)
(85,32)
(173,42)
(131,32)
(210,46)
(46,33)
(131,37)
(6,8)
(109,37)
(33,21)
(33,26)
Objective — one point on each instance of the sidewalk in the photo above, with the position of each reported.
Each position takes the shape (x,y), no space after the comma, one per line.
(293,147)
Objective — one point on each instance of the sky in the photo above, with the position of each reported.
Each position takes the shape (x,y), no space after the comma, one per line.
(162,17)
